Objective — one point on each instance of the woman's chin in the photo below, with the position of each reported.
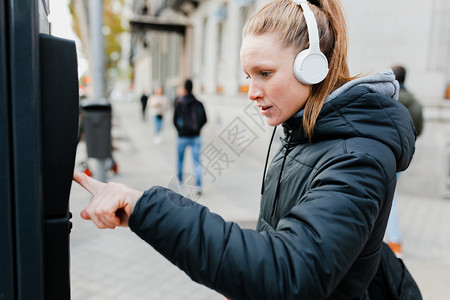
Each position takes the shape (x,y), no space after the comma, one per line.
(273,122)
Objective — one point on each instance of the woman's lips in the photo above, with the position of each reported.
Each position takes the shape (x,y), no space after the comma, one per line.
(265,110)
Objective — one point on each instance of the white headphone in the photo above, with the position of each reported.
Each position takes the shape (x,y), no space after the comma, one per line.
(310,65)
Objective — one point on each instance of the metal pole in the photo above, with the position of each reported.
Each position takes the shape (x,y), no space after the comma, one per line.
(97,48)
(98,66)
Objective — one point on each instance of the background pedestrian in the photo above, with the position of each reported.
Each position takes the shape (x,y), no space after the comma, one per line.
(143,99)
(189,118)
(158,106)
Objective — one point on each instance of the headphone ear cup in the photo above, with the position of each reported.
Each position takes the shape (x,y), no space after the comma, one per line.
(310,67)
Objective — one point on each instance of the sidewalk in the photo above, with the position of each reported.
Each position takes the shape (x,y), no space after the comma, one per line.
(116,264)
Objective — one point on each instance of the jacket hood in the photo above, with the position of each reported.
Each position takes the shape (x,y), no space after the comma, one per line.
(383,83)
(364,107)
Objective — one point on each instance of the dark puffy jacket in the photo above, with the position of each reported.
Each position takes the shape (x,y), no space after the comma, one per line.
(321,226)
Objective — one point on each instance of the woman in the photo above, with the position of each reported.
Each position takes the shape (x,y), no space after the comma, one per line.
(327,194)
(158,106)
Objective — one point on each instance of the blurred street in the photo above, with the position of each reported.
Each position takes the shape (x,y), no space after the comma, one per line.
(116,264)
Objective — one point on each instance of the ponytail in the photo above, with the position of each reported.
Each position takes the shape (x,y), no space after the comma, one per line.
(333,43)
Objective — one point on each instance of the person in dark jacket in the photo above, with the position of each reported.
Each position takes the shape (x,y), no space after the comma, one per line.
(327,194)
(144,100)
(189,118)
(406,98)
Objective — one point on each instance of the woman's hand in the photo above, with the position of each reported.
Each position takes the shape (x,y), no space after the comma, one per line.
(111,204)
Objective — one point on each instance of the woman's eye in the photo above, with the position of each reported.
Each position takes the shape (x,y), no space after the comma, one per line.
(247,77)
(265,74)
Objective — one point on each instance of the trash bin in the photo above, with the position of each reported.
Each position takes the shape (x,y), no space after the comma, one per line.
(96,119)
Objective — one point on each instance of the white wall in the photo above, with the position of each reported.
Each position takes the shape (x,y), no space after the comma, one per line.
(413,33)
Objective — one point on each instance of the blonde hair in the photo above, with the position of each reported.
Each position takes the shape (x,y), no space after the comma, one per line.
(286,19)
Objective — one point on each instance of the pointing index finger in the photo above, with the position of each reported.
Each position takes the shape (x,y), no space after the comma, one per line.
(88,183)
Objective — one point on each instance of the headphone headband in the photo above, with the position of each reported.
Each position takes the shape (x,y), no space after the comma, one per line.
(310,65)
(311,24)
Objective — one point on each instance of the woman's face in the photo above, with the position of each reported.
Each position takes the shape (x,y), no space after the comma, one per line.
(273,86)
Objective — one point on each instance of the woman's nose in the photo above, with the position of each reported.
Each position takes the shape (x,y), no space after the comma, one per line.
(254,92)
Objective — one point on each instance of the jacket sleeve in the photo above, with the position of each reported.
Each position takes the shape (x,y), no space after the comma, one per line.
(176,113)
(202,115)
(305,257)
